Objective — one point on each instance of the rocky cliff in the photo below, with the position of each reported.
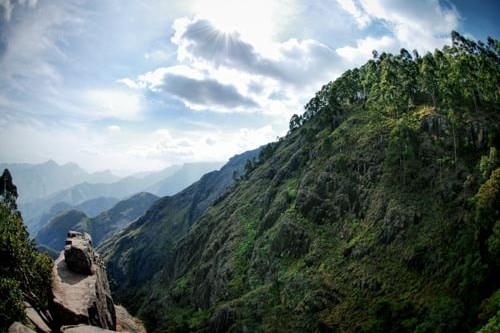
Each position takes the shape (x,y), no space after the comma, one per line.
(80,299)
(80,288)
(70,295)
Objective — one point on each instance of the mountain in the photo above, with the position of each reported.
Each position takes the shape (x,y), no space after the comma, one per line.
(54,233)
(36,181)
(90,207)
(174,177)
(378,212)
(184,177)
(151,238)
(96,206)
(71,294)
(114,220)
(99,227)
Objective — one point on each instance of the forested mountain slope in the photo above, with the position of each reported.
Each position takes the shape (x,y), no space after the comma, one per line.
(378,212)
(143,248)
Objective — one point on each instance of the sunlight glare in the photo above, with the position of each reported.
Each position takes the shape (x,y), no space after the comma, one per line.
(253,20)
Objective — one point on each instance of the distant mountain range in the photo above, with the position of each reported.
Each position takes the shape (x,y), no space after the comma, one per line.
(46,202)
(90,207)
(100,227)
(35,181)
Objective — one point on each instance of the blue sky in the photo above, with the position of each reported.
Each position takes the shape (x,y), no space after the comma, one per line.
(141,85)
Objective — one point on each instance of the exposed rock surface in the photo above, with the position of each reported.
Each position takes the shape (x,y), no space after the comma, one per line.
(80,288)
(78,253)
(126,323)
(39,322)
(83,329)
(17,327)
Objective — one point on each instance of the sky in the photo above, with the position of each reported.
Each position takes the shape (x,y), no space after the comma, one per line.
(141,85)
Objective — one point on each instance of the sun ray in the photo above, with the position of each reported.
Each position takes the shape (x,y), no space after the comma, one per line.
(251,20)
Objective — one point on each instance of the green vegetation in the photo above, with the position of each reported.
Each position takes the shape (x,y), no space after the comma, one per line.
(378,212)
(25,274)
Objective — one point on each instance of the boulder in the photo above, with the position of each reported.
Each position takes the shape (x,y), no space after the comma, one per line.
(80,288)
(126,323)
(17,327)
(39,321)
(78,252)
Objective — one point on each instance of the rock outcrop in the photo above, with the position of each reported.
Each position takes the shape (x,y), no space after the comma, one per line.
(17,327)
(80,288)
(78,253)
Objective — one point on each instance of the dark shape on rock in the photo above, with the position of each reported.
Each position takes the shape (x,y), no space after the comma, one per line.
(78,252)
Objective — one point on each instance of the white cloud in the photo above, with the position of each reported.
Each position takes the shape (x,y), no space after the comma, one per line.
(114,129)
(59,72)
(364,47)
(353,8)
(109,103)
(422,25)
(223,72)
(8,6)
(197,146)
(292,62)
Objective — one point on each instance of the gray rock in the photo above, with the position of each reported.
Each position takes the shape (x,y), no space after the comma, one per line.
(39,322)
(17,327)
(126,323)
(78,253)
(83,329)
(80,288)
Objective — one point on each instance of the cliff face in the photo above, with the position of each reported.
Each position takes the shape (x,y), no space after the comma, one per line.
(80,288)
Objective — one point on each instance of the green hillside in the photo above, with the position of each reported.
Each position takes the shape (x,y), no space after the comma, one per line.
(378,212)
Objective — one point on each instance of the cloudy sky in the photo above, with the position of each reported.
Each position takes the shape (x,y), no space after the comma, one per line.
(139,85)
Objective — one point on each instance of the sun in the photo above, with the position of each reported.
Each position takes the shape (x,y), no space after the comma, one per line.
(252,19)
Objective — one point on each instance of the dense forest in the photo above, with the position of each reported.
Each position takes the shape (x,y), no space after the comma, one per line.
(377,212)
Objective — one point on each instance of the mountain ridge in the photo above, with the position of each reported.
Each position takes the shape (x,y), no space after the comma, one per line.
(100,227)
(179,176)
(378,212)
(153,239)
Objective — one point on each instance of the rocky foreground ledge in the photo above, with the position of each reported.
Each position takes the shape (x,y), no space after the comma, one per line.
(81,298)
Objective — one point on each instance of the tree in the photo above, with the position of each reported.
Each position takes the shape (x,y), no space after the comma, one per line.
(25,274)
(8,191)
(295,123)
